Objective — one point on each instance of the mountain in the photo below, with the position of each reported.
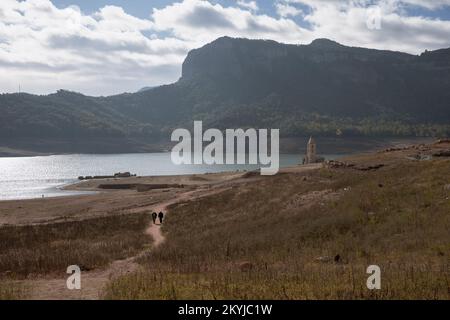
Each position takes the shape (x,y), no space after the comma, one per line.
(302,89)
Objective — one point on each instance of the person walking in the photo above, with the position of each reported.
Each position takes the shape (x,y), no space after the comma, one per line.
(154,216)
(161,217)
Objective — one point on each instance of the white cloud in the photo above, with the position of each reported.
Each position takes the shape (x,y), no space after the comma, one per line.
(429,4)
(252,5)
(45,48)
(346,22)
(286,10)
(199,21)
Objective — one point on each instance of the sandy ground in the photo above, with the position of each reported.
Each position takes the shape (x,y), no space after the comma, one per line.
(50,210)
(109,202)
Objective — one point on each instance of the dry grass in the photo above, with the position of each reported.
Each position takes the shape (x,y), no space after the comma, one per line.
(11,291)
(51,248)
(396,217)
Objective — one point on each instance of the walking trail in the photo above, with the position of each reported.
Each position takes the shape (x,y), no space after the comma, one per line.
(93,282)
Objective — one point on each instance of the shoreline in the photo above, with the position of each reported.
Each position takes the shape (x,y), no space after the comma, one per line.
(111,202)
(90,187)
(290,145)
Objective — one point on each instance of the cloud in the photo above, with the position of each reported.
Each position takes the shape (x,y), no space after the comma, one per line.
(197,21)
(45,48)
(429,4)
(252,5)
(346,22)
(343,21)
(286,10)
(206,16)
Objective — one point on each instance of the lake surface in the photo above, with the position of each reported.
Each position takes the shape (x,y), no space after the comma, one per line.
(34,177)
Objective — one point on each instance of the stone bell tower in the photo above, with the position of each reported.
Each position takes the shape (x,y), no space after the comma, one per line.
(311,156)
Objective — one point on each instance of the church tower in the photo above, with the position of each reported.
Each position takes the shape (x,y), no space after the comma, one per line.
(311,156)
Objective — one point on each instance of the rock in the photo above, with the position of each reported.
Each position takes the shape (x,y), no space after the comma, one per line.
(370,167)
(85,268)
(122,175)
(392,149)
(447,187)
(323,259)
(338,164)
(117,186)
(94,177)
(140,187)
(447,140)
(245,266)
(250,174)
(442,153)
(371,214)
(419,157)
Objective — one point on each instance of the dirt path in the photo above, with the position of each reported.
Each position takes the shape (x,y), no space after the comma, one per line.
(154,230)
(93,282)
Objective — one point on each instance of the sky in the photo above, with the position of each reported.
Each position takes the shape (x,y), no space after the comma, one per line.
(107,47)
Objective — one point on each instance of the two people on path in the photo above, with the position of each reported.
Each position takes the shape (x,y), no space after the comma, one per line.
(160,215)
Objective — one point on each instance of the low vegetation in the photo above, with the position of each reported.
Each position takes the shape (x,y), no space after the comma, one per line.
(51,248)
(306,236)
(11,291)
